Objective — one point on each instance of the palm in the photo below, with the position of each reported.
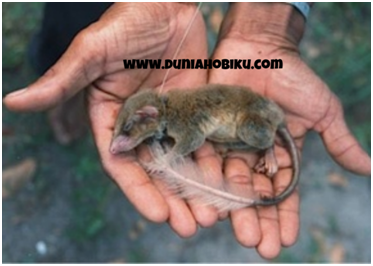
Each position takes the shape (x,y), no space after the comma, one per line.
(278,224)
(308,104)
(306,99)
(295,87)
(108,92)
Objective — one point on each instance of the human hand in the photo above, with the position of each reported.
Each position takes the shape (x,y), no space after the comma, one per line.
(94,61)
(273,31)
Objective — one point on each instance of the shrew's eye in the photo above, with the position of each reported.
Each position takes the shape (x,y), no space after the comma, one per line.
(127,127)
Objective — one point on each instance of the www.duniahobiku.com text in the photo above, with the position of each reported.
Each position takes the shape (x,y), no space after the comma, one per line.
(203,64)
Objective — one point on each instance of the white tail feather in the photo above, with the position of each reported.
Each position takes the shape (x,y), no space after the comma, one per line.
(184,177)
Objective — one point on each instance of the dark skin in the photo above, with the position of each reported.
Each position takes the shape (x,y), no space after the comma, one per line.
(153,31)
(274,31)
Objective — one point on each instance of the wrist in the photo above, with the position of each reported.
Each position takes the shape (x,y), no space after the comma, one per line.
(276,23)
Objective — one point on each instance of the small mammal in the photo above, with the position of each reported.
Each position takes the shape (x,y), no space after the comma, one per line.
(231,116)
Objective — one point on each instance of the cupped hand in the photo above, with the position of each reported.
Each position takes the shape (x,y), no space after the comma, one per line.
(94,61)
(309,105)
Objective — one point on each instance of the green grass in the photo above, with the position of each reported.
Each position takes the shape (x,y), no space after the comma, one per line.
(136,256)
(19,22)
(286,257)
(315,253)
(341,34)
(32,133)
(92,190)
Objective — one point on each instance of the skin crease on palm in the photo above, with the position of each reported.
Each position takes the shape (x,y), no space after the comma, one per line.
(153,31)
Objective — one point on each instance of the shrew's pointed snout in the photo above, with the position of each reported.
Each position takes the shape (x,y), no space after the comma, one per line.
(121,143)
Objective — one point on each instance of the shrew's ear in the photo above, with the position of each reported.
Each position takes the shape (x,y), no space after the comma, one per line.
(147,111)
(140,116)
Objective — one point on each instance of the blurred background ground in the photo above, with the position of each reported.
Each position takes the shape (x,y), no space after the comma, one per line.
(64,208)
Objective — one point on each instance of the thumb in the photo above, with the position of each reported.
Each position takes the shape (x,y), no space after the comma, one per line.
(344,148)
(78,67)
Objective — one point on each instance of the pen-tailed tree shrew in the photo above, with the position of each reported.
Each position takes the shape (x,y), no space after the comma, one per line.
(231,116)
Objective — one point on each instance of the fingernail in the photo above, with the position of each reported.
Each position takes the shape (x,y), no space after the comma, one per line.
(16,93)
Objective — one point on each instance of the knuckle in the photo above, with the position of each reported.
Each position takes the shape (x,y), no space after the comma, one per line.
(87,47)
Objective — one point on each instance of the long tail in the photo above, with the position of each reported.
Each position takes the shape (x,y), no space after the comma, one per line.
(285,134)
(184,177)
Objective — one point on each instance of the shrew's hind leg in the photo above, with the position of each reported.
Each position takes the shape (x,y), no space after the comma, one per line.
(267,164)
(259,134)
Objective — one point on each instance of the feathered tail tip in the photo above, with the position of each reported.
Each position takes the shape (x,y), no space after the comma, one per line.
(184,177)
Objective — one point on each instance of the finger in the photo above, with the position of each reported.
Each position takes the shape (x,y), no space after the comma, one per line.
(344,148)
(77,68)
(125,170)
(180,219)
(283,157)
(270,244)
(210,165)
(250,159)
(223,215)
(288,210)
(244,221)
